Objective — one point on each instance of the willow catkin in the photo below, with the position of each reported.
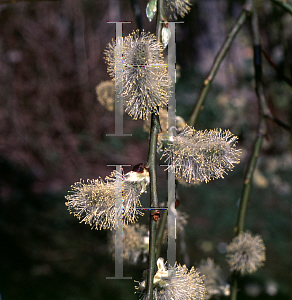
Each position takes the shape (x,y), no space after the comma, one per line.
(173,8)
(94,202)
(175,282)
(201,155)
(144,79)
(246,253)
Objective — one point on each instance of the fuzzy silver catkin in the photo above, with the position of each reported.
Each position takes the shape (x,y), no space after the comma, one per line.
(94,202)
(213,279)
(175,282)
(201,155)
(135,243)
(173,8)
(145,79)
(246,253)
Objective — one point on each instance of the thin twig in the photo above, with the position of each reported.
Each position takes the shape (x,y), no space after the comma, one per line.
(272,63)
(269,114)
(217,61)
(280,123)
(153,203)
(155,125)
(261,133)
(283,4)
(233,289)
(244,199)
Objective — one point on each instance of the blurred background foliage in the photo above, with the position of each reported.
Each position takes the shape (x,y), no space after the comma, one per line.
(53,132)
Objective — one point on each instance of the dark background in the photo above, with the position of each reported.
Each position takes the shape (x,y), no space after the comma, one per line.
(53,132)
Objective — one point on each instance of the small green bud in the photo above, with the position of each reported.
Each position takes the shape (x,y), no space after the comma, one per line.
(151,9)
(152,5)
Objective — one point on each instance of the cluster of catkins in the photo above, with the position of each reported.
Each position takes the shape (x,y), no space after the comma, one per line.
(141,79)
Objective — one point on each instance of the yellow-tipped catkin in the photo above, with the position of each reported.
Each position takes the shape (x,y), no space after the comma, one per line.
(173,8)
(94,202)
(144,79)
(175,282)
(201,155)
